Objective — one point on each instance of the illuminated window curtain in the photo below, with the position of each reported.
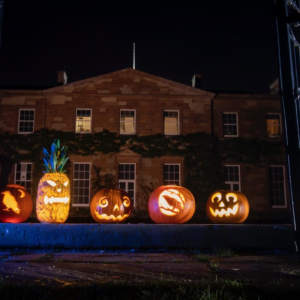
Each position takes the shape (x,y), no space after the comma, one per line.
(83,120)
(171,122)
(273,125)
(127,122)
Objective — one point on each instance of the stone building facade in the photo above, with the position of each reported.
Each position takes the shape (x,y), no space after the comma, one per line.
(130,102)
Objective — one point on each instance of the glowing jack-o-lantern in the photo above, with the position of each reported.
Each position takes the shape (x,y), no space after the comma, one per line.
(53,196)
(110,206)
(15,204)
(227,207)
(171,204)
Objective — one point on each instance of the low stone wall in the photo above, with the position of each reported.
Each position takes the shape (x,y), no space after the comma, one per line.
(146,236)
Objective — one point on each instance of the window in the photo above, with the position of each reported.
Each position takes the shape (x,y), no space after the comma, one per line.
(171,174)
(171,122)
(127,121)
(81,184)
(232,178)
(127,179)
(274,125)
(26,120)
(23,173)
(83,120)
(230,124)
(277,186)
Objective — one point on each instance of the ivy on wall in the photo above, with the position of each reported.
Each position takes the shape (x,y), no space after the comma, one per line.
(203,154)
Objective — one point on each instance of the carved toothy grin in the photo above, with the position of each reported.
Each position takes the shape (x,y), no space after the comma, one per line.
(223,212)
(52,200)
(111,217)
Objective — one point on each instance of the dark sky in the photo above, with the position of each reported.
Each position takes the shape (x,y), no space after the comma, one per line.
(232,43)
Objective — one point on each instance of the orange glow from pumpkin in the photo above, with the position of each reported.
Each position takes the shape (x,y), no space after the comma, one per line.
(171,204)
(15,204)
(227,207)
(53,198)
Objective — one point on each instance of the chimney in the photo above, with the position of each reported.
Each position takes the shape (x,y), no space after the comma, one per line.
(62,78)
(196,81)
(274,87)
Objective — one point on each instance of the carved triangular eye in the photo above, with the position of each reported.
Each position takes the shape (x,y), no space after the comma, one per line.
(66,183)
(52,183)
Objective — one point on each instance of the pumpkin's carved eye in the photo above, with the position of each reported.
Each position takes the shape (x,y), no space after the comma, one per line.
(52,183)
(103,202)
(216,197)
(126,201)
(66,183)
(232,197)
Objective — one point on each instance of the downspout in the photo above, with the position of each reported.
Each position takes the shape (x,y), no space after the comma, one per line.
(45,112)
(212,103)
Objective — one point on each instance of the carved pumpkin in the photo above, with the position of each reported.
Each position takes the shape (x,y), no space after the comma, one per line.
(171,204)
(110,206)
(53,196)
(227,207)
(15,204)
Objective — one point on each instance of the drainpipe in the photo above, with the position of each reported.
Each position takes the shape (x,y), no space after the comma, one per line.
(212,103)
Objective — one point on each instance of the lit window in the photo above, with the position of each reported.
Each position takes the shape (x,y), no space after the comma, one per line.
(171,122)
(171,174)
(274,125)
(232,178)
(26,120)
(277,186)
(23,174)
(230,124)
(127,180)
(127,121)
(81,184)
(83,120)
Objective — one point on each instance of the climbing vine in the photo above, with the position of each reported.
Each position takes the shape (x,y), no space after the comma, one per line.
(203,154)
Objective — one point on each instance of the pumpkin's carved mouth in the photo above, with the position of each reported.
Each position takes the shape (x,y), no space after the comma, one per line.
(222,212)
(165,202)
(111,217)
(52,200)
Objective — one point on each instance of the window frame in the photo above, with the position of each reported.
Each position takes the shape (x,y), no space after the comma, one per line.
(78,132)
(126,181)
(284,187)
(73,190)
(179,172)
(134,121)
(231,183)
(19,120)
(237,124)
(178,121)
(279,125)
(19,181)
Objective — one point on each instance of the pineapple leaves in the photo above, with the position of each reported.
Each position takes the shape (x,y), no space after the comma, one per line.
(57,160)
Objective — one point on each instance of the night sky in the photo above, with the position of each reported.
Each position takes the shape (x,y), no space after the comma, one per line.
(231,43)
